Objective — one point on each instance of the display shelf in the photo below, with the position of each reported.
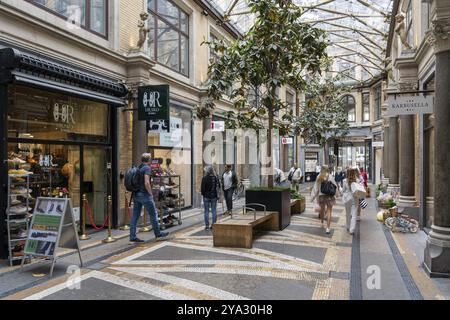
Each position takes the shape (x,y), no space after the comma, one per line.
(13,223)
(168,202)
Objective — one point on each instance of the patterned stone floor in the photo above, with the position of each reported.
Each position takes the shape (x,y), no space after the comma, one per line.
(300,262)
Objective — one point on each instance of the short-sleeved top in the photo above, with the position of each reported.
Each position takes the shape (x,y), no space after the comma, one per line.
(144,170)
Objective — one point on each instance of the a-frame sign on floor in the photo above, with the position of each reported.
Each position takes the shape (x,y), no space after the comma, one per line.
(52,227)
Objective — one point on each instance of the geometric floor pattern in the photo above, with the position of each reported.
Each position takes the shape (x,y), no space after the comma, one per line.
(300,262)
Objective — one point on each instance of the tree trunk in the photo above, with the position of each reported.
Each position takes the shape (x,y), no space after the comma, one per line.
(269,147)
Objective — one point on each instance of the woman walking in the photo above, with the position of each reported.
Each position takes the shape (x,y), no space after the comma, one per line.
(209,189)
(325,190)
(351,203)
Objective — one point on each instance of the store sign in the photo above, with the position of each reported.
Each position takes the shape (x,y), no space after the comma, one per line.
(174,137)
(287,141)
(153,106)
(378,144)
(218,126)
(63,113)
(399,106)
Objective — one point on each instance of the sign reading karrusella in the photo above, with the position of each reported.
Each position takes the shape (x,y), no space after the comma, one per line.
(400,106)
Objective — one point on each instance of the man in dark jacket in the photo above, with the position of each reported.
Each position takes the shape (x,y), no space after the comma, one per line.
(209,189)
(229,184)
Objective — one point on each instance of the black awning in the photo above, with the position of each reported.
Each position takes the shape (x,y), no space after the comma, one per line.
(19,67)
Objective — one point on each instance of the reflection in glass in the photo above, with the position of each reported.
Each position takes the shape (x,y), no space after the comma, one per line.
(168,50)
(98,16)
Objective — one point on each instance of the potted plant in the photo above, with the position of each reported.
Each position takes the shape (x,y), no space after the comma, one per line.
(300,202)
(278,50)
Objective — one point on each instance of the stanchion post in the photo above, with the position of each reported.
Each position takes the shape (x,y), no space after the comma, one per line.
(84,236)
(126,227)
(110,238)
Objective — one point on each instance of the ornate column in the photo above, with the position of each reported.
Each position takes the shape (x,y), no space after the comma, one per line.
(393,153)
(437,251)
(407,154)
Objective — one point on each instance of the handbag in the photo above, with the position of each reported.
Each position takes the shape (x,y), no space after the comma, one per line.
(358,191)
(317,208)
(328,188)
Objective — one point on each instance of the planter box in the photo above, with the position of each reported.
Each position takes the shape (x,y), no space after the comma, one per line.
(276,200)
(302,204)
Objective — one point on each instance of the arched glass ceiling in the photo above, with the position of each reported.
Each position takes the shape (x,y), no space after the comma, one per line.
(357,31)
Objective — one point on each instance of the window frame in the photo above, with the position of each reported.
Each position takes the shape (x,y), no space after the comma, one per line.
(377,98)
(345,99)
(156,16)
(364,105)
(87,13)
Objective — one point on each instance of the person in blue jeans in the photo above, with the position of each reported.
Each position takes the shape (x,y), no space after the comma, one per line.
(144,197)
(209,190)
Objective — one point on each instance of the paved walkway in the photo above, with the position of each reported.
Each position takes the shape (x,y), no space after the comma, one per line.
(300,262)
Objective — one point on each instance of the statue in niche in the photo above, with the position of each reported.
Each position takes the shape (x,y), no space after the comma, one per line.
(401,29)
(143,29)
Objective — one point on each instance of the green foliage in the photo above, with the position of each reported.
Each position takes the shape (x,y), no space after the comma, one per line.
(277,189)
(323,115)
(278,50)
(391,203)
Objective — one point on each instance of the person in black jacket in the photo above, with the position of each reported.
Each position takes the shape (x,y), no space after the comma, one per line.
(210,187)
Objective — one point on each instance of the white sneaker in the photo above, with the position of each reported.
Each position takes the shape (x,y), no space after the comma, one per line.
(328,231)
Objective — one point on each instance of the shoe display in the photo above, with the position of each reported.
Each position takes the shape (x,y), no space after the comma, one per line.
(21,190)
(20,209)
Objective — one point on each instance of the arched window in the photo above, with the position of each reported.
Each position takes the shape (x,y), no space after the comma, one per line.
(350,107)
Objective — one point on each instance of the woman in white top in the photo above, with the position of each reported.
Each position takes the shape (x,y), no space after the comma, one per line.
(351,202)
(326,202)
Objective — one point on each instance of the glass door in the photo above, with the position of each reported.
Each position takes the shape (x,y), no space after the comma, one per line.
(97,173)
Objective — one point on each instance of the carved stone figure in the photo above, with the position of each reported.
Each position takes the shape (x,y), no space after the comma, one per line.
(401,30)
(143,29)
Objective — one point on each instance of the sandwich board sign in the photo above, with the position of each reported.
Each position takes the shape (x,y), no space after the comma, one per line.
(52,227)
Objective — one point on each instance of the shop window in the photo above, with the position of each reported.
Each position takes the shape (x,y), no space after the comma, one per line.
(41,115)
(378,103)
(350,107)
(168,39)
(175,148)
(89,14)
(366,107)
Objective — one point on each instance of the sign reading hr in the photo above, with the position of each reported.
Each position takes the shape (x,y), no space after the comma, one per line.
(410,105)
(153,106)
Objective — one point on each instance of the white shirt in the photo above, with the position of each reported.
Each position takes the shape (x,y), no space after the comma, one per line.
(297,175)
(280,173)
(227,180)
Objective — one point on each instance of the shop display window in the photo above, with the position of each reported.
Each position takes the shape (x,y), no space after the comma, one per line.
(41,115)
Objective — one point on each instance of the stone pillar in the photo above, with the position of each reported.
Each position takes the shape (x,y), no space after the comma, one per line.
(437,251)
(407,162)
(393,153)
(385,180)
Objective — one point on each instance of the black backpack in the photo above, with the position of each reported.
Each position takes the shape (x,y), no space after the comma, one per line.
(291,175)
(133,180)
(328,188)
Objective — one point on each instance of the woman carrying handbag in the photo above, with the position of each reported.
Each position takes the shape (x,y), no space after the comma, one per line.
(352,191)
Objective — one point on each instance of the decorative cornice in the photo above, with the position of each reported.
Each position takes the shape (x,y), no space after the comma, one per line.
(408,86)
(439,35)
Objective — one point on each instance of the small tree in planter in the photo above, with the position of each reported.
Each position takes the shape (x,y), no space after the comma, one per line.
(278,50)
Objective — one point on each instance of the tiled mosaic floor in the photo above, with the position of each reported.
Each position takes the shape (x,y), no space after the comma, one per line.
(300,262)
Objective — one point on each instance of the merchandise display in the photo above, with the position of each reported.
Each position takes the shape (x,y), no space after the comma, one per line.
(168,198)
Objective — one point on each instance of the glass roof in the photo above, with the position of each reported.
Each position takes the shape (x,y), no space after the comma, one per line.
(357,31)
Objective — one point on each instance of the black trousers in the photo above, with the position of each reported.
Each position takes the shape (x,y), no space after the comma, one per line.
(228,194)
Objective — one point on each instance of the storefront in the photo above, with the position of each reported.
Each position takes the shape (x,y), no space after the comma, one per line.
(174,150)
(59,126)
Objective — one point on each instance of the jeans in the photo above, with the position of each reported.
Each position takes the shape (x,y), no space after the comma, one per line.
(144,199)
(228,194)
(210,203)
(351,214)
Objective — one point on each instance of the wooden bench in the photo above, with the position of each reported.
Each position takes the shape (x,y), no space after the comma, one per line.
(238,230)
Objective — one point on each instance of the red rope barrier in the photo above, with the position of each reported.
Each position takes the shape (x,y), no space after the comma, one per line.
(88,210)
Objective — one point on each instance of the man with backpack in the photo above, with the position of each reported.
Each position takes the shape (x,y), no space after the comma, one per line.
(295,177)
(229,184)
(138,181)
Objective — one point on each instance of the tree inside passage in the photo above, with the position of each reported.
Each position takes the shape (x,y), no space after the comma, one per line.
(277,50)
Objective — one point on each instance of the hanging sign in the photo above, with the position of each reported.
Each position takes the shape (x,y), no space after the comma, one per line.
(52,227)
(287,141)
(153,107)
(217,126)
(378,144)
(410,105)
